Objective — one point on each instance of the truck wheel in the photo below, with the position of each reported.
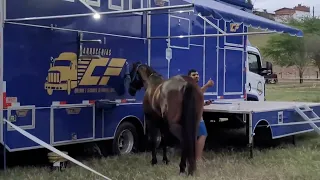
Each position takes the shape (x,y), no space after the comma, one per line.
(126,139)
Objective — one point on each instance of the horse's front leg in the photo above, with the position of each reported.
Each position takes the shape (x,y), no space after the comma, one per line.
(153,133)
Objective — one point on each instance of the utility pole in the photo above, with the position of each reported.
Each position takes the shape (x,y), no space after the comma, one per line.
(313,12)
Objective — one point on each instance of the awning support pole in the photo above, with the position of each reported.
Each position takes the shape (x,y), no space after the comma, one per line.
(103,13)
(213,25)
(89,7)
(214,35)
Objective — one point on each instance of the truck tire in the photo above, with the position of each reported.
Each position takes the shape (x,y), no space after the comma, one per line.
(126,139)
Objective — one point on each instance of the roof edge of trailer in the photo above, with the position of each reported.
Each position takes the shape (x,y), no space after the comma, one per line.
(228,13)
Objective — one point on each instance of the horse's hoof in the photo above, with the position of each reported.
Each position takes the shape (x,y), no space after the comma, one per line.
(154,161)
(190,174)
(182,172)
(166,161)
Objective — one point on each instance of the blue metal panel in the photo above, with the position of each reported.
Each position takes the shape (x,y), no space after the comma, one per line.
(15,140)
(184,60)
(22,117)
(179,26)
(130,26)
(233,71)
(196,28)
(211,59)
(159,27)
(112,117)
(220,69)
(76,122)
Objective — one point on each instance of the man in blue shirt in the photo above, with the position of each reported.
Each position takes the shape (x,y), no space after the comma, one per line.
(202,131)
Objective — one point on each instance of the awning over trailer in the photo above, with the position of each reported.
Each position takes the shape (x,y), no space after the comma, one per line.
(229,13)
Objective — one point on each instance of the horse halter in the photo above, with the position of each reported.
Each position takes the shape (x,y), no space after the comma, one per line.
(135,73)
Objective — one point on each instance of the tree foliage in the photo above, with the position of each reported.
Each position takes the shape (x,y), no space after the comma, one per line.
(286,50)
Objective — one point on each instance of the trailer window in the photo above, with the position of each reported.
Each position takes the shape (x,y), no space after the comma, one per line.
(253,61)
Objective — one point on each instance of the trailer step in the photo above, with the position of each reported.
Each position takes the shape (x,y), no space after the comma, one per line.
(301,111)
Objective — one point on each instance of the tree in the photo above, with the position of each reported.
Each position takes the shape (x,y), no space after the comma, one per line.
(311,29)
(313,48)
(289,51)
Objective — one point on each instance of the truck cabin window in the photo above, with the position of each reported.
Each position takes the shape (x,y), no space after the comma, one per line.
(66,63)
(253,61)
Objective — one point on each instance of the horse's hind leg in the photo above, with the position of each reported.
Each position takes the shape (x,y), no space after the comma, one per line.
(183,161)
(176,130)
(165,132)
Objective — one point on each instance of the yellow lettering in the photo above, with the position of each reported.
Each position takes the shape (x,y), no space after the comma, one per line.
(117,62)
(92,90)
(104,80)
(111,71)
(87,78)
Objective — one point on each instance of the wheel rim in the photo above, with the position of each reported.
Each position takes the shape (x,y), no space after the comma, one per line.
(125,142)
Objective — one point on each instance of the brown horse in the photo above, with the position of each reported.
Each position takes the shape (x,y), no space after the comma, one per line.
(174,105)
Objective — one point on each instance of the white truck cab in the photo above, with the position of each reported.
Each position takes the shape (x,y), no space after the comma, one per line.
(255,86)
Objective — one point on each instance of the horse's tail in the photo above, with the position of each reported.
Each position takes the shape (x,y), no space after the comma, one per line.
(188,122)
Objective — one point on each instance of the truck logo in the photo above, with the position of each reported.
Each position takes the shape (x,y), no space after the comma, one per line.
(67,73)
(259,88)
(234,27)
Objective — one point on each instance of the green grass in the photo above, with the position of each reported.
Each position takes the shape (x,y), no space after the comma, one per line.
(285,162)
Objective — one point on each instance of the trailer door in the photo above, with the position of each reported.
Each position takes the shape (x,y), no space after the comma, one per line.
(233,71)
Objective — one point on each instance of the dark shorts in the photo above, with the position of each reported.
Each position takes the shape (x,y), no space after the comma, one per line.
(202,131)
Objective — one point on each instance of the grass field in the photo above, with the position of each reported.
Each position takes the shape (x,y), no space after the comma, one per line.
(285,162)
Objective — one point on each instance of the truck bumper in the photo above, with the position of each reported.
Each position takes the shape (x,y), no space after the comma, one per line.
(55,86)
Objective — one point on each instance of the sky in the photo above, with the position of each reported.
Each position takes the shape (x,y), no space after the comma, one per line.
(272,5)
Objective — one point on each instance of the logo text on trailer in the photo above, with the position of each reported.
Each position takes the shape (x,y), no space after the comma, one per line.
(234,27)
(89,74)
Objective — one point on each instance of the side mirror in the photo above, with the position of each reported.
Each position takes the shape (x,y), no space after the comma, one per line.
(268,66)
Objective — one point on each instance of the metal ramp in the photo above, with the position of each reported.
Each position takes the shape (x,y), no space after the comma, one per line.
(303,110)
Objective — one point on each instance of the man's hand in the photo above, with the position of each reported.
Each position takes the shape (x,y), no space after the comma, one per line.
(207,103)
(210,83)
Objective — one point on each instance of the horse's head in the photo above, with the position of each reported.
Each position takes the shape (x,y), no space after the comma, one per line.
(137,72)
(140,76)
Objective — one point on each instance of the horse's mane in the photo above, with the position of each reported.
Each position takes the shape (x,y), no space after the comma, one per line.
(154,77)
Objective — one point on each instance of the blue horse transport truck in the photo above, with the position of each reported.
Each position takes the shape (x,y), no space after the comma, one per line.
(64,74)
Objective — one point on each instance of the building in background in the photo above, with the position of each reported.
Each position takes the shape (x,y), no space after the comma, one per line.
(298,12)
